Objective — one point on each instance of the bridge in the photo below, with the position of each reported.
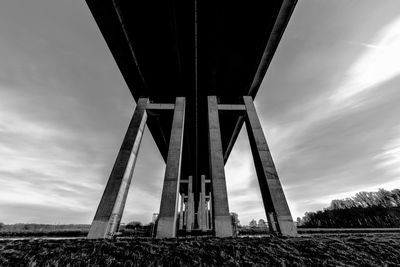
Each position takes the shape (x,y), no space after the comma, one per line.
(194,68)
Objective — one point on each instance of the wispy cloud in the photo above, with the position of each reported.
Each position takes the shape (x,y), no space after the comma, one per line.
(389,158)
(326,146)
(376,65)
(242,184)
(39,165)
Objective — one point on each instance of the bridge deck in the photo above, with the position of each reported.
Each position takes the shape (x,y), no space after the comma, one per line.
(163,52)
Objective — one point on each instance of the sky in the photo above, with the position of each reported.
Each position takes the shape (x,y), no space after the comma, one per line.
(328,106)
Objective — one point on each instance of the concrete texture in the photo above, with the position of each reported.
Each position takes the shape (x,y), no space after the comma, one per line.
(232,55)
(181,212)
(190,206)
(222,220)
(109,211)
(202,211)
(169,198)
(271,189)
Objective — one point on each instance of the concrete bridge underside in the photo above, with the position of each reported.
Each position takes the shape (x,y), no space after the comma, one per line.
(194,68)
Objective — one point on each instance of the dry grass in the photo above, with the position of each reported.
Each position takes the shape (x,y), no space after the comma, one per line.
(354,250)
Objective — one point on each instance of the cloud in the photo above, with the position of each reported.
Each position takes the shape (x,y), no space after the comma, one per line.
(337,139)
(242,184)
(376,65)
(326,147)
(37,213)
(389,158)
(41,165)
(50,165)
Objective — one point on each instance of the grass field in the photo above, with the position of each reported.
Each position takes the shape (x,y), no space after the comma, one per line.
(353,250)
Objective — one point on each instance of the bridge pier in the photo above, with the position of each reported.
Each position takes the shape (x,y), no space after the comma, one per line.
(275,204)
(109,212)
(167,219)
(222,218)
(276,208)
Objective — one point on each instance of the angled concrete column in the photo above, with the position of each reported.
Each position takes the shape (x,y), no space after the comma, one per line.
(169,199)
(109,213)
(270,186)
(202,205)
(222,219)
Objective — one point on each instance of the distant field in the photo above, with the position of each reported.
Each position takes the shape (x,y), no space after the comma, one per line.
(68,233)
(43,230)
(353,250)
(251,232)
(346,230)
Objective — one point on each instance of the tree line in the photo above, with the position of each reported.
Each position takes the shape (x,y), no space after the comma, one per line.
(37,227)
(365,209)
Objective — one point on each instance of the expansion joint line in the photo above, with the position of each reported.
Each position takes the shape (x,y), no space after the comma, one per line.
(196,88)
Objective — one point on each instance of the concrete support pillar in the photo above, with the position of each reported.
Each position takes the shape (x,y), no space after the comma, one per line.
(207,216)
(190,206)
(270,186)
(169,199)
(181,212)
(222,219)
(211,216)
(109,212)
(202,205)
(185,203)
(273,228)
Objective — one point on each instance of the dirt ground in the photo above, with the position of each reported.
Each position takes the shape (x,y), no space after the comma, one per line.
(311,250)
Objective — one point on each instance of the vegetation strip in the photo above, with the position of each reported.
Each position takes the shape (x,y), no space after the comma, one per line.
(357,249)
